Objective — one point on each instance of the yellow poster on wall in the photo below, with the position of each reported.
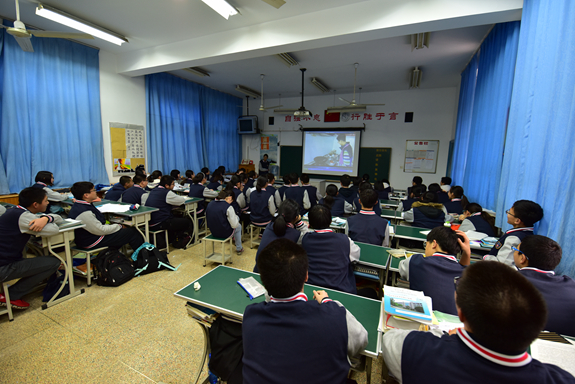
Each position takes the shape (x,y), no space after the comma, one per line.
(128,148)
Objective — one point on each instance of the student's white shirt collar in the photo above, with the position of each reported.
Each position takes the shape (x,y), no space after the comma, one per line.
(475,214)
(367,212)
(495,357)
(519,229)
(456,199)
(323,230)
(450,257)
(41,183)
(537,270)
(297,297)
(83,202)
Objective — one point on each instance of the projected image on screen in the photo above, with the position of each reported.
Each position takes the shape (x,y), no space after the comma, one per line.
(331,153)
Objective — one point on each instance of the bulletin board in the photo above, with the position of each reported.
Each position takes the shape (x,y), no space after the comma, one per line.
(421,156)
(128,148)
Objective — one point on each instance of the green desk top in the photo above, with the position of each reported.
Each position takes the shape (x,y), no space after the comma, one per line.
(373,255)
(390,214)
(190,200)
(393,203)
(6,205)
(221,292)
(413,233)
(140,211)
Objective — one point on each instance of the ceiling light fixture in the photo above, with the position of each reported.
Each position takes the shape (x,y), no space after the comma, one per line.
(275,3)
(248,91)
(420,40)
(358,108)
(79,24)
(197,71)
(222,7)
(315,81)
(287,59)
(415,78)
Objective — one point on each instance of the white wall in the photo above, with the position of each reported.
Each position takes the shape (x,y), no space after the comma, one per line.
(434,119)
(122,100)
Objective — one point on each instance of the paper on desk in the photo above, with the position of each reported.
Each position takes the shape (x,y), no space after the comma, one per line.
(113,208)
(425,232)
(474,235)
(68,223)
(562,355)
(252,287)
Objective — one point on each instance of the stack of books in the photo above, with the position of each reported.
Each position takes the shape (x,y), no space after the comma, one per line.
(201,314)
(405,309)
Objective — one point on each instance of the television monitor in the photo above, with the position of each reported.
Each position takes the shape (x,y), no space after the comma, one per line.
(248,125)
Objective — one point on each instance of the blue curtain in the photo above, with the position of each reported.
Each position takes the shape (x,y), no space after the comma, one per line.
(464,115)
(539,164)
(190,126)
(496,66)
(50,113)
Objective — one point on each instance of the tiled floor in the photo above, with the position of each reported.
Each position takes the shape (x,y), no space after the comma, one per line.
(136,333)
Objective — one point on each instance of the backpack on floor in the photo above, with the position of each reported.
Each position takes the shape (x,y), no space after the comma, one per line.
(112,268)
(147,259)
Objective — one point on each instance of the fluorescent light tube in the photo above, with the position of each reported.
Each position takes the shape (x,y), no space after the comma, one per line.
(197,71)
(222,7)
(415,80)
(315,81)
(287,59)
(79,24)
(248,91)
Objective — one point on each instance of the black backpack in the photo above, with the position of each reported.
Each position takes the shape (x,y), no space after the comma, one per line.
(113,268)
(147,259)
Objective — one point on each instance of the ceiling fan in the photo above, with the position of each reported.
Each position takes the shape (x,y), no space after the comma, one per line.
(353,106)
(262,108)
(22,35)
(302,112)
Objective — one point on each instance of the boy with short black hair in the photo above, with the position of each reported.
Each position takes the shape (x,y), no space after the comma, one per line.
(163,198)
(367,226)
(137,194)
(502,313)
(189,177)
(330,254)
(522,215)
(278,345)
(297,193)
(415,195)
(433,272)
(312,192)
(356,201)
(16,226)
(345,191)
(118,189)
(417,180)
(537,257)
(445,184)
(97,233)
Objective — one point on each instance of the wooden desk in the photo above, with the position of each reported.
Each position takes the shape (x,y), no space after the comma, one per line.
(221,292)
(248,167)
(63,238)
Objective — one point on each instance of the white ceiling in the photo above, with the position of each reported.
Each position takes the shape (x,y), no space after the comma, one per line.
(326,36)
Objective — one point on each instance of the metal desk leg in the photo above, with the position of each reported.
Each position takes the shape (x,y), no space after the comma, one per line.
(147,218)
(205,354)
(368,370)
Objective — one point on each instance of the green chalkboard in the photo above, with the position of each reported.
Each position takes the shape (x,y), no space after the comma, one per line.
(373,161)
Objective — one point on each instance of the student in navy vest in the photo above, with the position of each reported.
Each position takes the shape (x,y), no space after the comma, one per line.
(383,189)
(502,313)
(433,273)
(287,225)
(357,204)
(137,194)
(206,172)
(288,339)
(2,210)
(345,191)
(445,184)
(189,177)
(280,192)
(297,193)
(417,180)
(415,195)
(521,216)
(264,166)
(97,233)
(330,254)
(335,202)
(216,183)
(474,219)
(312,192)
(16,226)
(252,176)
(118,189)
(367,226)
(198,190)
(457,200)
(222,219)
(175,173)
(154,179)
(239,200)
(163,198)
(537,257)
(442,197)
(427,213)
(262,203)
(45,180)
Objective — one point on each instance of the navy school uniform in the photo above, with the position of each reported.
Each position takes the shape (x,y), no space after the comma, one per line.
(460,358)
(235,204)
(214,185)
(368,227)
(259,206)
(311,193)
(52,197)
(296,193)
(269,236)
(83,238)
(477,223)
(454,206)
(295,341)
(249,184)
(443,197)
(427,216)
(434,276)
(216,215)
(115,192)
(559,293)
(338,207)
(406,204)
(502,251)
(357,206)
(197,190)
(133,195)
(282,191)
(384,195)
(348,194)
(329,260)
(157,199)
